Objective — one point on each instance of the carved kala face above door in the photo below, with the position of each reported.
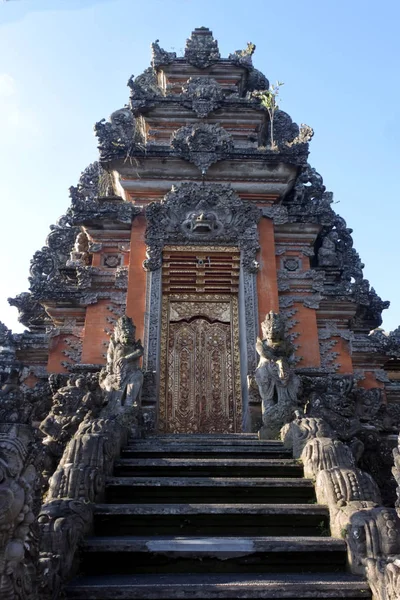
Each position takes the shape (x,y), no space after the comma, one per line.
(200,389)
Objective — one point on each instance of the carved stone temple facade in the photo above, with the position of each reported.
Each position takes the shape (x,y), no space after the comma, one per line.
(199,282)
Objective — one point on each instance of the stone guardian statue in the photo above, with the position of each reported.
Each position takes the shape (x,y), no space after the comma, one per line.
(275,376)
(122,377)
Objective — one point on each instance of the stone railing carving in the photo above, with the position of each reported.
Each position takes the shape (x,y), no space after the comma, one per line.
(88,457)
(372,532)
(19,494)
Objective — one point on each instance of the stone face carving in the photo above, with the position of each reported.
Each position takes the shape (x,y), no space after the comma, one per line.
(209,213)
(122,378)
(116,136)
(275,376)
(201,49)
(202,144)
(203,95)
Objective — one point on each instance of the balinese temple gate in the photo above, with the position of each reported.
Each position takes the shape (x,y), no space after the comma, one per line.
(199,283)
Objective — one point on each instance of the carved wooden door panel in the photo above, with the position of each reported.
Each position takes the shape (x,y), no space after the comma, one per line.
(200,389)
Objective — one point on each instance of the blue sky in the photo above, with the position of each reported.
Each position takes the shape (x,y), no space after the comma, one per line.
(64,64)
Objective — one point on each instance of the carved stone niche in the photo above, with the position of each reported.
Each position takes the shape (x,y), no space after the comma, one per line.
(202,214)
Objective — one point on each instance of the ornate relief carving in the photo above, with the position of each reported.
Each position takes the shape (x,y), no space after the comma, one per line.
(204,95)
(201,49)
(152,320)
(251,318)
(202,214)
(214,311)
(202,144)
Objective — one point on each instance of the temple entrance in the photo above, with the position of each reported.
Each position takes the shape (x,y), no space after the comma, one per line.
(200,388)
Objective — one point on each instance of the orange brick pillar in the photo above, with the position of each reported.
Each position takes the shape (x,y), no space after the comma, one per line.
(267,286)
(136,295)
(96,339)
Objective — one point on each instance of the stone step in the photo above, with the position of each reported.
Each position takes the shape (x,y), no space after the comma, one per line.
(199,437)
(208,467)
(171,448)
(211,519)
(171,554)
(209,489)
(221,585)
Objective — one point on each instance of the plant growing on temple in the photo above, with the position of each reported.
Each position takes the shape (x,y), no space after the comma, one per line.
(269,101)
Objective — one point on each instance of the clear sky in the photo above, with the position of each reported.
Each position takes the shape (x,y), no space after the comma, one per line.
(64,65)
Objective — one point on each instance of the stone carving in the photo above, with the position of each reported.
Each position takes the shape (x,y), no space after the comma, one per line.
(62,525)
(328,254)
(243,57)
(144,89)
(209,213)
(117,135)
(17,495)
(277,213)
(323,453)
(122,378)
(329,398)
(71,404)
(388,343)
(306,133)
(201,49)
(160,57)
(80,254)
(31,313)
(46,263)
(19,487)
(202,144)
(372,532)
(298,432)
(277,382)
(203,95)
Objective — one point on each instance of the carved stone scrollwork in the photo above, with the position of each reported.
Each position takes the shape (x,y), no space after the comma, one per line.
(204,95)
(144,89)
(277,382)
(243,57)
(209,213)
(117,136)
(202,144)
(201,49)
(161,57)
(19,493)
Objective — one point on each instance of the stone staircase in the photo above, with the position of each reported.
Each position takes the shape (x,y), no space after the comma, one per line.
(208,516)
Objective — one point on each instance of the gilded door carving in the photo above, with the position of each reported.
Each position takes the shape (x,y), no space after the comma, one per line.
(200,388)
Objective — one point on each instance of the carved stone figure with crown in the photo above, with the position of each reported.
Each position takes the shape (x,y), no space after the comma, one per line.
(122,378)
(275,376)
